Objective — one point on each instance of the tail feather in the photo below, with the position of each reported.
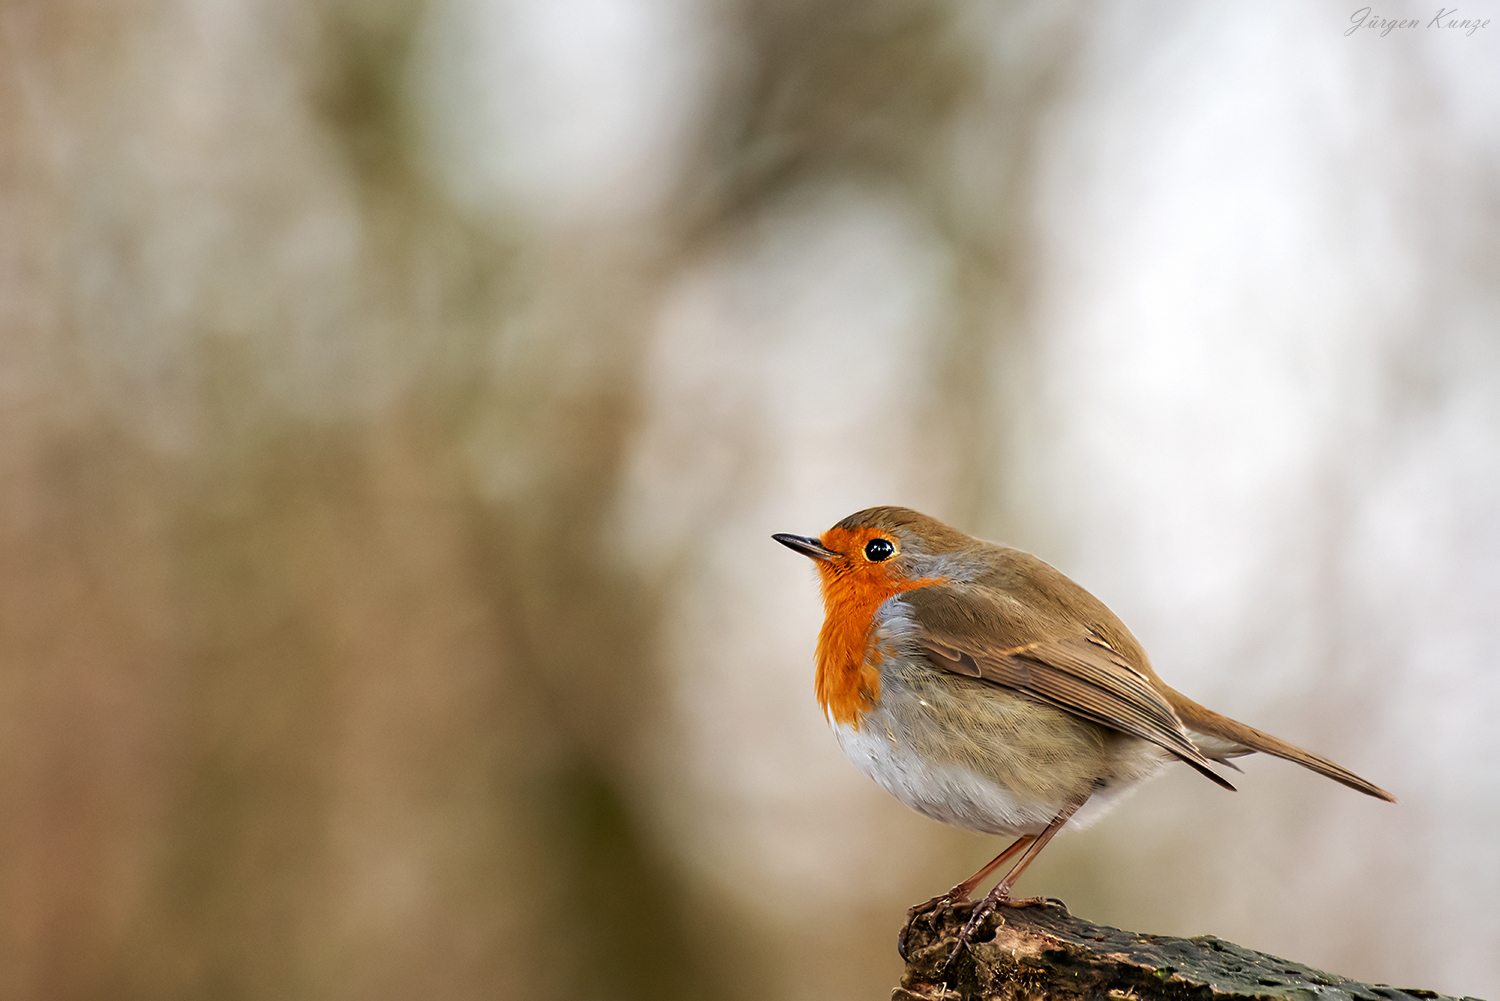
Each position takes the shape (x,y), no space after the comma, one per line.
(1201,720)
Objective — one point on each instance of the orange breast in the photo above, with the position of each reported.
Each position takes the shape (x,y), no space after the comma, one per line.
(847,682)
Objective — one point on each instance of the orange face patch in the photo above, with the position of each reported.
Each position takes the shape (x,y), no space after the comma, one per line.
(847,682)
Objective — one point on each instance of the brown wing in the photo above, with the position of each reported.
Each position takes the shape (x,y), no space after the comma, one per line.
(1080,674)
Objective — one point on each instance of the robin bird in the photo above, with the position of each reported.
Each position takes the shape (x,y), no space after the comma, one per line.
(981,687)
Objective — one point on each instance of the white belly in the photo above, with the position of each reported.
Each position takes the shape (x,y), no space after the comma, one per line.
(961,796)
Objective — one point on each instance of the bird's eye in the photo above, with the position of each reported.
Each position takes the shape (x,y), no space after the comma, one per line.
(879,549)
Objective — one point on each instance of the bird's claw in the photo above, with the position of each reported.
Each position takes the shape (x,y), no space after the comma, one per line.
(933,909)
(982,910)
(929,912)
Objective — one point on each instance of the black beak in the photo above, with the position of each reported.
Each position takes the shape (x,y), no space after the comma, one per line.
(805,546)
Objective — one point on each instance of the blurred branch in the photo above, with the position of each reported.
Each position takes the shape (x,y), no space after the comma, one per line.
(834,89)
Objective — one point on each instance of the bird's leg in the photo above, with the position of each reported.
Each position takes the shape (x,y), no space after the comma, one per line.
(960,893)
(1001,893)
(934,908)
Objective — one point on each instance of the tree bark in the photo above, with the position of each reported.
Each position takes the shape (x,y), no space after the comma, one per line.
(1045,952)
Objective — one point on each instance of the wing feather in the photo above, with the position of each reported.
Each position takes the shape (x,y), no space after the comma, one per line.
(1081,674)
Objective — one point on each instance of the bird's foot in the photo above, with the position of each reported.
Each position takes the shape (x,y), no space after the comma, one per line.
(929,913)
(995,899)
(934,908)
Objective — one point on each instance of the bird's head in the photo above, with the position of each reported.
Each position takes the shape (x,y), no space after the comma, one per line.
(881,551)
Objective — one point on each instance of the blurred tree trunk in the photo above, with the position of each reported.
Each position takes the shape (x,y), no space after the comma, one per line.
(298,705)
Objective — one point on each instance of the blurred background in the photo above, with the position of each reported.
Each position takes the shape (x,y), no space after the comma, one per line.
(397,397)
